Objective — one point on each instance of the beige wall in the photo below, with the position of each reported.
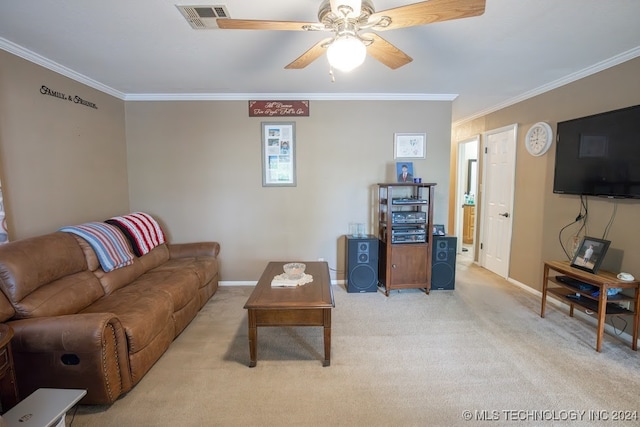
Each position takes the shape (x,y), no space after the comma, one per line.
(61,163)
(538,213)
(197,166)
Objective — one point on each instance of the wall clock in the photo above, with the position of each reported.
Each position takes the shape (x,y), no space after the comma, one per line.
(538,139)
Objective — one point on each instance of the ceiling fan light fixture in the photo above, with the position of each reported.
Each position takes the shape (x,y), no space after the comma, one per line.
(350,8)
(346,53)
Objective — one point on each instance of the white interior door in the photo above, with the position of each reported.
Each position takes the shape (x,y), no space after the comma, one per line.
(497,202)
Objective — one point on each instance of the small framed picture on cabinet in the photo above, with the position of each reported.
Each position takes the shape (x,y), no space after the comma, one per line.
(590,254)
(404,171)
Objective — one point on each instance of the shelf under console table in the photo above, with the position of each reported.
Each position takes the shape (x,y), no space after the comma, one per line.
(601,305)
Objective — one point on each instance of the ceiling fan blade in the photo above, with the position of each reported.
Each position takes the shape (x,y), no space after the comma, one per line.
(428,12)
(385,52)
(250,24)
(310,55)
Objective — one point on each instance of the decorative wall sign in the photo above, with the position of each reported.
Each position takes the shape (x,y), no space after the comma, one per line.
(278,108)
(278,154)
(75,98)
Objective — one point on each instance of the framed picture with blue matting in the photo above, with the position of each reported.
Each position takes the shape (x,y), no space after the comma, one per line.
(404,171)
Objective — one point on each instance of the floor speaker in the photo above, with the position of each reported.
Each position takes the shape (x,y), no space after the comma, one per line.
(443,263)
(362,264)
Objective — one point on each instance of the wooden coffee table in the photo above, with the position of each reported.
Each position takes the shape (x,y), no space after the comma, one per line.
(306,305)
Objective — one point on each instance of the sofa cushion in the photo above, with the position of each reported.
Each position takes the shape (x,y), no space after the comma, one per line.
(205,268)
(180,285)
(28,264)
(120,277)
(158,256)
(142,312)
(67,295)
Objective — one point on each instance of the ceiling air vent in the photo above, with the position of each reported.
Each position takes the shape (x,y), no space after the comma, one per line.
(203,17)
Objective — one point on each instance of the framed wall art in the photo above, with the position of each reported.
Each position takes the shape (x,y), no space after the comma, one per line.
(409,146)
(278,154)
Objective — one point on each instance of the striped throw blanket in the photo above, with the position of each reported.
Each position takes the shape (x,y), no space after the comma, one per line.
(107,241)
(144,232)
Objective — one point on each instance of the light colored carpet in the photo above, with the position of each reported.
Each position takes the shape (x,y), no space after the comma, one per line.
(409,359)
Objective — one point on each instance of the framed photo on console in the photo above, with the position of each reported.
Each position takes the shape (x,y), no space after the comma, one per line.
(278,154)
(590,254)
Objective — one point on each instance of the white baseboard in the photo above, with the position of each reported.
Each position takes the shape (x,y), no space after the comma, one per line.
(624,336)
(237,283)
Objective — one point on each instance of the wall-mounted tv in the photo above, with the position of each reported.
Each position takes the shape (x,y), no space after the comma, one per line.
(599,155)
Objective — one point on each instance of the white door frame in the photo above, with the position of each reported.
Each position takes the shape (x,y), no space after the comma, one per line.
(485,191)
(462,186)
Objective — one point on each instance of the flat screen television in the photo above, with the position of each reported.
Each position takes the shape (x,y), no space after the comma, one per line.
(599,155)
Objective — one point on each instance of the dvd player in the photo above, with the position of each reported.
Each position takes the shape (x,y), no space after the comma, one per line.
(408,201)
(408,217)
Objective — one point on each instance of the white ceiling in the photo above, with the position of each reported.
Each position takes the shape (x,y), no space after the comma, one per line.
(145,49)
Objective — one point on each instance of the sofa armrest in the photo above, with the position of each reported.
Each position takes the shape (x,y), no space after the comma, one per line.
(83,351)
(186,250)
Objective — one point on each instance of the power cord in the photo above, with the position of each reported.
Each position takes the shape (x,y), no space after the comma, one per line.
(73,416)
(582,216)
(613,215)
(615,328)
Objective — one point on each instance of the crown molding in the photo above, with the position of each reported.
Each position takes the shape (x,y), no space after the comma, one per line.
(54,66)
(60,69)
(67,72)
(570,78)
(289,96)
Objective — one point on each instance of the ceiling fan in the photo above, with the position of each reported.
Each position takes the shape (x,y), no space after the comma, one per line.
(347,47)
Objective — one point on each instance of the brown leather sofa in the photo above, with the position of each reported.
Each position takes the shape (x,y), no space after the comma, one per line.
(79,327)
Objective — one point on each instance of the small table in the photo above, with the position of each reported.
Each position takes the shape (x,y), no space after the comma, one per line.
(8,385)
(306,305)
(599,305)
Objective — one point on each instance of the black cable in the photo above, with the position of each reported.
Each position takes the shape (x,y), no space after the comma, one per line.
(584,202)
(615,329)
(73,417)
(613,215)
(581,217)
(564,249)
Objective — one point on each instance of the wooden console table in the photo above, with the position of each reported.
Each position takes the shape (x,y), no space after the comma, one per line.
(601,305)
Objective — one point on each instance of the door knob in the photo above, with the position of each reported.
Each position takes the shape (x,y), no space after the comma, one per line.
(506,214)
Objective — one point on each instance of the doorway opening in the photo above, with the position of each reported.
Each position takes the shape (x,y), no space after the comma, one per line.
(466,196)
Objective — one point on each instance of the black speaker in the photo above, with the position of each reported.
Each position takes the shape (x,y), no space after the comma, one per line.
(443,263)
(362,264)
